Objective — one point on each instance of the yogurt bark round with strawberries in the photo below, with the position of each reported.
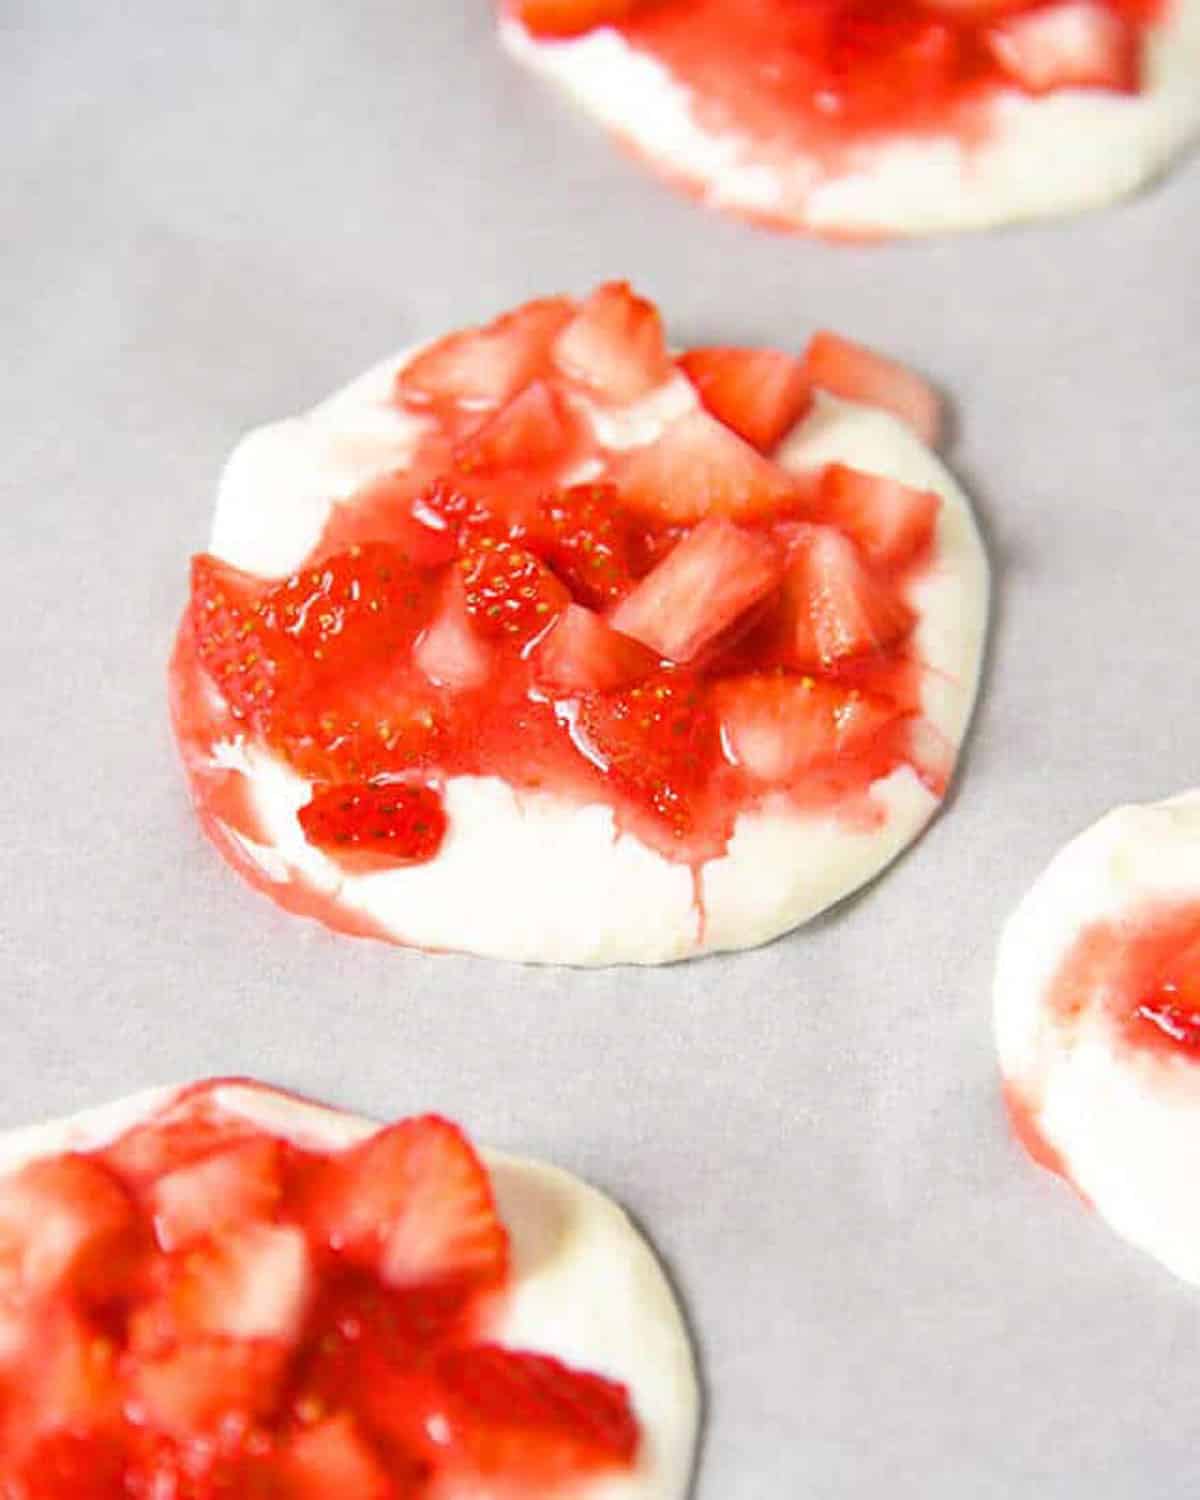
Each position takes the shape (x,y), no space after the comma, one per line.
(856,118)
(223,1289)
(546,644)
(1097,1010)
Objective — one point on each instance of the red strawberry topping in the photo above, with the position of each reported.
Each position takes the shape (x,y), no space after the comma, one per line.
(614,346)
(562,18)
(855,373)
(760,393)
(699,468)
(510,593)
(405,822)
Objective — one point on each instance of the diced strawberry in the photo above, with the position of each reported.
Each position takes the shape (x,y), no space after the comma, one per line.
(64,1219)
(835,606)
(451,652)
(586,537)
(405,822)
(255,1282)
(414,1202)
(760,393)
(702,588)
(533,430)
(333,1461)
(876,55)
(614,345)
(656,741)
(233,1186)
(584,654)
(1072,44)
(562,18)
(527,1416)
(855,373)
(890,522)
(70,1375)
(482,367)
(73,1466)
(383,510)
(361,735)
(510,595)
(194,1387)
(778,726)
(699,468)
(236,645)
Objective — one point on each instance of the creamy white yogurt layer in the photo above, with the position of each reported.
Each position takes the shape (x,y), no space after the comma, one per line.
(1057,154)
(1125,1122)
(586,1287)
(535,877)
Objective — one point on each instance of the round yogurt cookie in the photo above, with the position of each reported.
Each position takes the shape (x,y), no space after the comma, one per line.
(223,1289)
(1097,1013)
(546,644)
(859,118)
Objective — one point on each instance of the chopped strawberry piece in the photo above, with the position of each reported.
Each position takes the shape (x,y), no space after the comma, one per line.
(615,345)
(70,1375)
(73,1466)
(196,1386)
(414,1202)
(836,607)
(361,735)
(451,653)
(584,654)
(484,367)
(699,468)
(585,536)
(64,1219)
(855,373)
(778,726)
(1075,44)
(510,594)
(877,54)
(233,1186)
(890,522)
(333,1461)
(403,821)
(533,430)
(450,507)
(528,1415)
(237,646)
(701,589)
(656,741)
(562,18)
(760,393)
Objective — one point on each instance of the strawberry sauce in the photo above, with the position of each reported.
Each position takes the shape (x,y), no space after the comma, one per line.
(204,1310)
(686,634)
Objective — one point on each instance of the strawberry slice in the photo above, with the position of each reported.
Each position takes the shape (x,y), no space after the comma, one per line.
(227,1188)
(760,393)
(333,1461)
(584,654)
(414,1202)
(699,468)
(405,822)
(197,1386)
(237,646)
(64,1219)
(510,594)
(835,606)
(614,346)
(530,1417)
(563,18)
(485,367)
(855,373)
(532,431)
(779,726)
(1078,44)
(702,588)
(890,522)
(451,653)
(585,536)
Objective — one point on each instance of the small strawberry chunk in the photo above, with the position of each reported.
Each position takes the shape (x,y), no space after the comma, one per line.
(245,657)
(585,536)
(878,54)
(890,522)
(778,726)
(700,590)
(532,431)
(563,18)
(527,1416)
(229,1187)
(196,1386)
(1076,44)
(70,1376)
(405,822)
(699,468)
(760,393)
(333,1461)
(835,606)
(510,595)
(584,654)
(73,1466)
(484,367)
(414,1203)
(373,733)
(614,346)
(855,373)
(451,652)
